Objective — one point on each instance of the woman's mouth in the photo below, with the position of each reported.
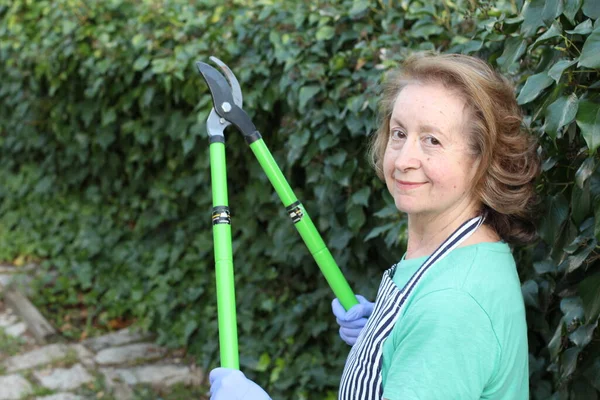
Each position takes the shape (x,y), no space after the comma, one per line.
(406,185)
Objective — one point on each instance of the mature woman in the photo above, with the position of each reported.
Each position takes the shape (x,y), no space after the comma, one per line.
(448,321)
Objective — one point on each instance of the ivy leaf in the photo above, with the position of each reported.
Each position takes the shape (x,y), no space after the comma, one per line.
(590,53)
(571,8)
(542,267)
(558,210)
(555,343)
(591,8)
(514,48)
(325,33)
(568,362)
(379,230)
(190,326)
(580,204)
(554,31)
(530,290)
(306,93)
(590,296)
(534,85)
(358,6)
(576,260)
(362,196)
(188,144)
(556,71)
(583,28)
(584,171)
(582,336)
(140,63)
(108,116)
(588,120)
(552,9)
(560,113)
(532,16)
(572,309)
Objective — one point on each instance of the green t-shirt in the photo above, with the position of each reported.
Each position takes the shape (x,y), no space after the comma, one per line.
(462,334)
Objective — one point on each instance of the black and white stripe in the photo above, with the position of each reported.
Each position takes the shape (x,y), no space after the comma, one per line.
(361,378)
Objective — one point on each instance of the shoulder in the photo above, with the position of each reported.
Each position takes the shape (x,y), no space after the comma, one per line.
(487,264)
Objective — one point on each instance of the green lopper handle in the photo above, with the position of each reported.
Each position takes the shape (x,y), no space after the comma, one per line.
(304,225)
(228,340)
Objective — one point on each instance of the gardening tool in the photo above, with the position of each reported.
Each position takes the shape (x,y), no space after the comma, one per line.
(227,104)
(215,125)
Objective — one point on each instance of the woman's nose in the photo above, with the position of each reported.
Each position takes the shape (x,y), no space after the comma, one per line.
(409,156)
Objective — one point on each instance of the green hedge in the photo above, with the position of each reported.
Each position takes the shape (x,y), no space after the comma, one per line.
(105,172)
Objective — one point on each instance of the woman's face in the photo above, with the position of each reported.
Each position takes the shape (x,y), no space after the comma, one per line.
(427,165)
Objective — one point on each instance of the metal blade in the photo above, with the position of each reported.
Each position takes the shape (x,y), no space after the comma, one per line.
(219,88)
(236,89)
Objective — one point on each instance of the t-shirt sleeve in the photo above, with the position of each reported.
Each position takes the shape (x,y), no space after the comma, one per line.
(444,348)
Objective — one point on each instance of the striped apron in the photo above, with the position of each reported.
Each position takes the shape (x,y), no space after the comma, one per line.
(361,379)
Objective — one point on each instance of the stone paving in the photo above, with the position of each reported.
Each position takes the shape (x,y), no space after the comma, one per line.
(112,364)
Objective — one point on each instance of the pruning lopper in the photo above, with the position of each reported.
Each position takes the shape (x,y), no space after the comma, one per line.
(227,110)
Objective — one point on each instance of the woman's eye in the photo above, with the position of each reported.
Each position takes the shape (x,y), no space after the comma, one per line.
(397,134)
(432,141)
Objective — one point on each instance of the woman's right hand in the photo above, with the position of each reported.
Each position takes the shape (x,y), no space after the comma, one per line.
(231,384)
(352,322)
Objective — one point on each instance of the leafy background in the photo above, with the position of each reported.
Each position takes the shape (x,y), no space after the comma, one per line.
(105,173)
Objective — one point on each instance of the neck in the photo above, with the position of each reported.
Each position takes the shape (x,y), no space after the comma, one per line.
(427,232)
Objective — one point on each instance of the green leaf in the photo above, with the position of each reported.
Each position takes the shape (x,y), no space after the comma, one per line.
(514,48)
(306,94)
(584,171)
(425,30)
(591,8)
(588,120)
(583,335)
(68,27)
(590,53)
(572,309)
(340,239)
(555,344)
(554,31)
(105,138)
(138,40)
(532,16)
(560,113)
(580,204)
(325,33)
(575,261)
(362,197)
(108,116)
(379,230)
(568,362)
(556,71)
(571,8)
(590,296)
(530,290)
(583,28)
(592,373)
(190,326)
(557,212)
(543,267)
(534,85)
(358,6)
(597,218)
(552,9)
(188,144)
(140,63)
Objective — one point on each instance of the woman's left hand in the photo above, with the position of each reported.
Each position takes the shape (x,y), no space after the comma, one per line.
(231,384)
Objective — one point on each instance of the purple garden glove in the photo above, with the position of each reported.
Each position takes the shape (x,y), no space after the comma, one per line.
(231,384)
(354,320)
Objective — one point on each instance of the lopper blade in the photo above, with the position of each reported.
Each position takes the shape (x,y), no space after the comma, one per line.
(236,89)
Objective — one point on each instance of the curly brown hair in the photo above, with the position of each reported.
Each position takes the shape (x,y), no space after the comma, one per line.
(508,159)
